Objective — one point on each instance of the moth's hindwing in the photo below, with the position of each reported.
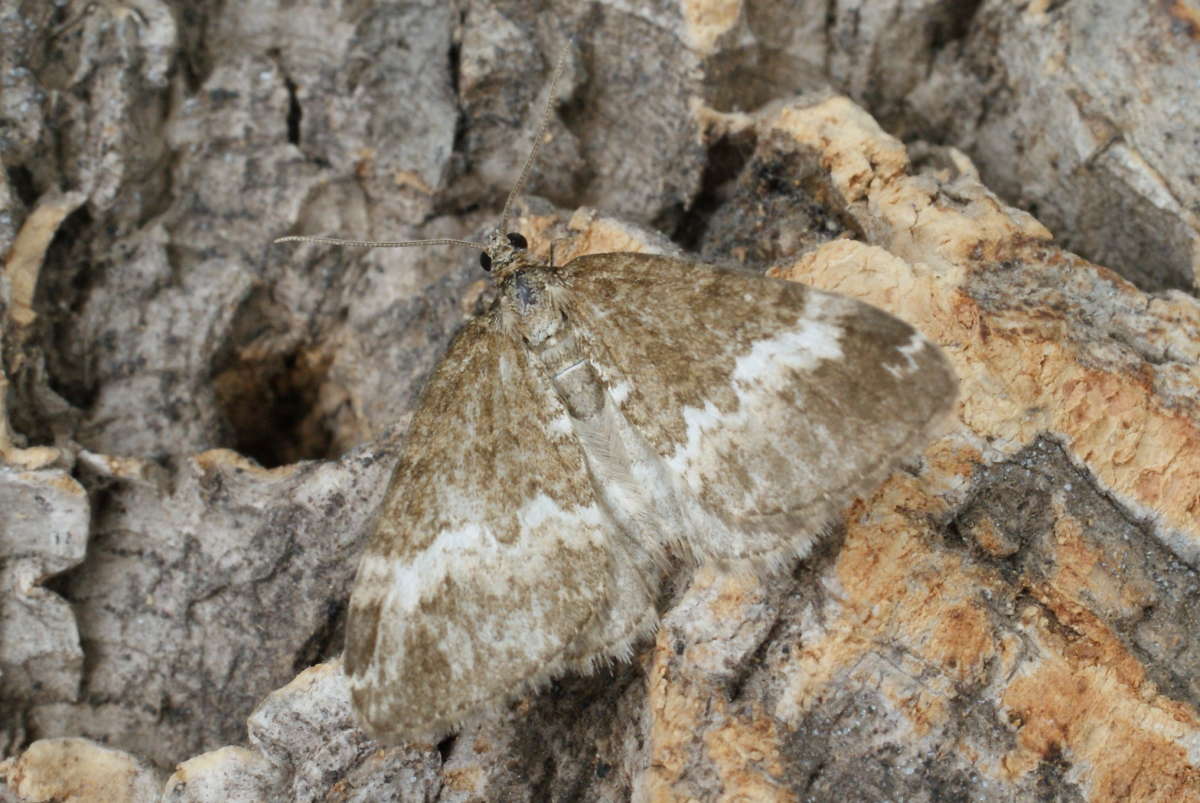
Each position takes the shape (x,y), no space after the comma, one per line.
(490,556)
(771,404)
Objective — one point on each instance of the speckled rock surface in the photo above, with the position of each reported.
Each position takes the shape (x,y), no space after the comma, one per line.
(195,428)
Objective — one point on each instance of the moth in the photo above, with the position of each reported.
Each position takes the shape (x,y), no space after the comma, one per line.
(603,422)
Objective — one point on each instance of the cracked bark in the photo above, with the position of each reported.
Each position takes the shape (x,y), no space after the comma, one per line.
(196,428)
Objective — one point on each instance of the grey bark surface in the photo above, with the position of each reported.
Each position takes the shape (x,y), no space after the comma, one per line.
(200,426)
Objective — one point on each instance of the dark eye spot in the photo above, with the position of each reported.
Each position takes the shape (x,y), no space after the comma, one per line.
(517,240)
(485,261)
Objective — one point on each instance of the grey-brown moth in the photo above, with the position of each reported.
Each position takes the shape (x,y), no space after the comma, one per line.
(602,422)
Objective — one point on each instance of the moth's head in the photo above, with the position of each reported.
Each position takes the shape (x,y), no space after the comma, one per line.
(505,253)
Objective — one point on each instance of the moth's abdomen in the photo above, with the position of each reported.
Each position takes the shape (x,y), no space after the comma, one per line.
(580,390)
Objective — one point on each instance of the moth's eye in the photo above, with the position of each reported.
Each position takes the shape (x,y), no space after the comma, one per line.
(485,261)
(516,240)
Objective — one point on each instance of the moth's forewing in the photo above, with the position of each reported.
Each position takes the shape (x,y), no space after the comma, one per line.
(772,403)
(490,553)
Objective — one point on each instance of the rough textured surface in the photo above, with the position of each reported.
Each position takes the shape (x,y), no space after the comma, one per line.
(79,771)
(1023,604)
(1076,111)
(43,531)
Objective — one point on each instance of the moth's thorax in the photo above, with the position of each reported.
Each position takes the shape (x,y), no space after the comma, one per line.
(531,304)
(532,307)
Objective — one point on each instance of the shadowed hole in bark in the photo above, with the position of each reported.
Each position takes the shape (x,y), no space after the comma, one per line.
(779,206)
(295,113)
(445,746)
(954,25)
(271,405)
(64,284)
(326,641)
(726,159)
(21,180)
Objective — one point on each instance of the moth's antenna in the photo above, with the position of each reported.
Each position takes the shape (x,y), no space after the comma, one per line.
(559,68)
(296,238)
